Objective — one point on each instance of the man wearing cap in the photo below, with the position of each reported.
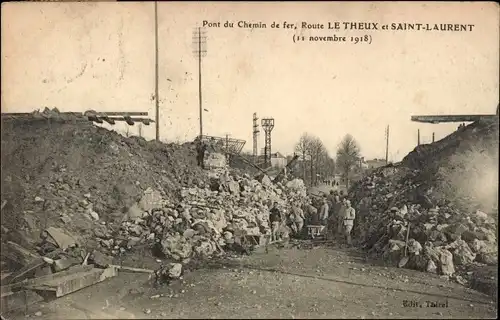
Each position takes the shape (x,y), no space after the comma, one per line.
(323,214)
(275,219)
(348,223)
(310,213)
(341,215)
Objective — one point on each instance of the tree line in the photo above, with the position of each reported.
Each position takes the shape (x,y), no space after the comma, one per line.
(317,164)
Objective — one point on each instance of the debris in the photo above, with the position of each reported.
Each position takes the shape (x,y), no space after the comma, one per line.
(100,259)
(451,226)
(133,270)
(18,253)
(94,215)
(59,237)
(73,279)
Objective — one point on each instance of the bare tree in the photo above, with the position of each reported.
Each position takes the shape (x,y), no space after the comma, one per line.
(316,150)
(302,148)
(315,158)
(347,156)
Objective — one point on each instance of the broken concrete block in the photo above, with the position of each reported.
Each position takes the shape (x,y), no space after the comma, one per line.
(462,254)
(65,263)
(151,199)
(431,267)
(133,241)
(134,212)
(446,262)
(59,237)
(189,233)
(488,258)
(135,230)
(100,260)
(174,270)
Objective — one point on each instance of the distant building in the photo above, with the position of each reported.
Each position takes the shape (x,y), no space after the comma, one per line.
(363,164)
(375,163)
(277,160)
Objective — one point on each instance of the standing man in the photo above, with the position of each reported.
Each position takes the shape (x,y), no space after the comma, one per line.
(349,216)
(323,212)
(201,148)
(341,215)
(310,212)
(297,218)
(275,219)
(364,207)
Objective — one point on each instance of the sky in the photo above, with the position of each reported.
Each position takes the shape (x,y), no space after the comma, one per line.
(100,56)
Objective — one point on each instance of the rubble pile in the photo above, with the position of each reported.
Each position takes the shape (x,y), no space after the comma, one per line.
(71,175)
(446,234)
(203,221)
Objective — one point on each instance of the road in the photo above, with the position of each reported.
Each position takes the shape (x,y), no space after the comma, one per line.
(298,282)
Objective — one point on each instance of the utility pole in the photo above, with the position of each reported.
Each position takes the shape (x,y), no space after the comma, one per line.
(255,136)
(227,148)
(199,41)
(156,75)
(387,146)
(433,137)
(418,137)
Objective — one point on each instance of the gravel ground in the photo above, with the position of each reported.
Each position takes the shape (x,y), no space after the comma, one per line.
(307,282)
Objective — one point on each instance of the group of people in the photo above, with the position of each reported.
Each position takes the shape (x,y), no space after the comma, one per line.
(333,211)
(294,220)
(332,183)
(336,213)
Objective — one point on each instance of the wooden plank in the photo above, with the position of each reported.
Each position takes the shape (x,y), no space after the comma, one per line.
(133,270)
(71,283)
(18,253)
(21,274)
(40,280)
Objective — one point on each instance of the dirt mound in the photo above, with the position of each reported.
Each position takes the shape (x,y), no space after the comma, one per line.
(50,170)
(444,196)
(461,169)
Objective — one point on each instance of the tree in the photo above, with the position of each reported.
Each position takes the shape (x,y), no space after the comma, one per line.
(317,151)
(302,148)
(315,158)
(347,156)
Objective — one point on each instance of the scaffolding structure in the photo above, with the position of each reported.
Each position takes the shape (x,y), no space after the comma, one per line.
(268,126)
(223,145)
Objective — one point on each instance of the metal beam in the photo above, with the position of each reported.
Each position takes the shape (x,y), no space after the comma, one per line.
(451,118)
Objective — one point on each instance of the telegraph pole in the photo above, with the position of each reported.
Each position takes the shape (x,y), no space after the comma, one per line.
(156,75)
(199,40)
(255,136)
(433,137)
(418,137)
(387,146)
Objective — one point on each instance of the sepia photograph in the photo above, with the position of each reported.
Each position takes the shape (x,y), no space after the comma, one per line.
(249,160)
